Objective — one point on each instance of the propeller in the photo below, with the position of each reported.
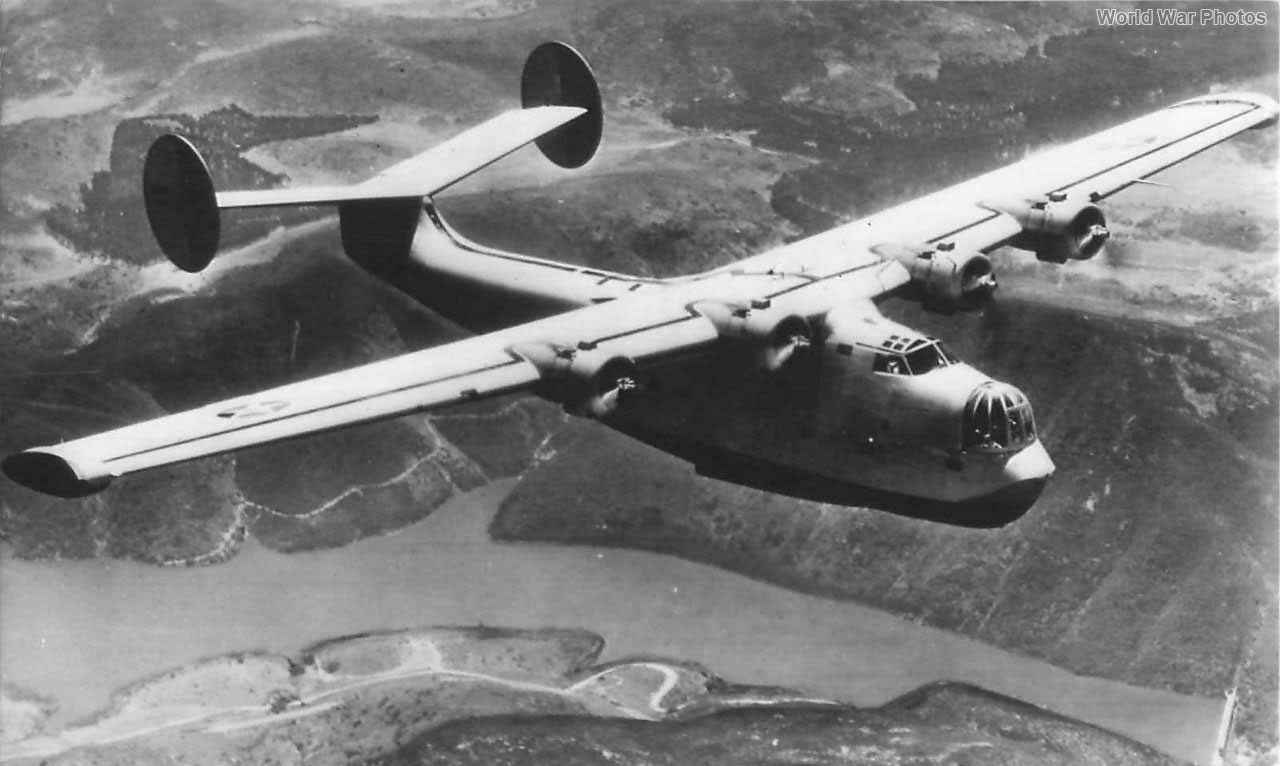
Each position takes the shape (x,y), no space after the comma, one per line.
(1091,241)
(615,381)
(978,283)
(791,335)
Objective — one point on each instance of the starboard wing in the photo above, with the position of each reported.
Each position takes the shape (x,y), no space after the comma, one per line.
(991,210)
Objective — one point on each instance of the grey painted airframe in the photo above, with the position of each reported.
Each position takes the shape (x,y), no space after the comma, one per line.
(777,372)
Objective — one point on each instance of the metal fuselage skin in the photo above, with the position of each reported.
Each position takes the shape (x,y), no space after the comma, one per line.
(828,426)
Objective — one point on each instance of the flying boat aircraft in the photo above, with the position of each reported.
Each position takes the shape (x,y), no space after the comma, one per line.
(777,372)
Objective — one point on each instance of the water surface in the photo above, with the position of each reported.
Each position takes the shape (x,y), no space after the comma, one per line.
(79,630)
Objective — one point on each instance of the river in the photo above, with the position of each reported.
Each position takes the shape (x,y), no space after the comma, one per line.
(79,630)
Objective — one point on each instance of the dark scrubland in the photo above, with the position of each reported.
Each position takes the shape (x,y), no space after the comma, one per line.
(110,218)
(971,115)
(667,222)
(944,723)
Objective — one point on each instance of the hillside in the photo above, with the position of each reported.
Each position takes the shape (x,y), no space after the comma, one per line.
(947,723)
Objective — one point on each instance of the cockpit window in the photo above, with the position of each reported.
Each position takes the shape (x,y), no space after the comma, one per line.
(891,364)
(928,357)
(997,418)
(919,357)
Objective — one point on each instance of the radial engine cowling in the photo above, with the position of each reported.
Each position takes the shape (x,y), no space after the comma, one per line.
(1058,229)
(605,388)
(587,381)
(945,281)
(776,336)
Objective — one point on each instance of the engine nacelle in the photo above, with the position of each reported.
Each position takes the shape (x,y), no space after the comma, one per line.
(588,382)
(776,336)
(943,280)
(1058,229)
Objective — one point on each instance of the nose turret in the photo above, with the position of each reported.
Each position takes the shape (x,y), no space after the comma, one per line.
(997,418)
(998,422)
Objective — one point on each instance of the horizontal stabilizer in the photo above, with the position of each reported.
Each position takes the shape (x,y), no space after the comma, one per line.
(561,111)
(428,173)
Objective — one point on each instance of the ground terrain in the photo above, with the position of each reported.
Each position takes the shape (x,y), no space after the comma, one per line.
(1152,558)
(488,695)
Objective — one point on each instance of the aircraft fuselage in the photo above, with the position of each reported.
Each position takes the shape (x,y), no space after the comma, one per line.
(871,414)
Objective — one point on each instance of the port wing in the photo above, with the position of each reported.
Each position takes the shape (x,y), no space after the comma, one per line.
(588,359)
(582,355)
(414,382)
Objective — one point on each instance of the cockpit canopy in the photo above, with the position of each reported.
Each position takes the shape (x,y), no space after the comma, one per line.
(997,418)
(911,356)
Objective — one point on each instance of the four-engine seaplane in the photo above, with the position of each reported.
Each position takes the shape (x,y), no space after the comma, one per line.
(776,372)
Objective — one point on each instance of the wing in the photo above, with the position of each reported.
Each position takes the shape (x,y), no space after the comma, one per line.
(417,381)
(579,358)
(991,210)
